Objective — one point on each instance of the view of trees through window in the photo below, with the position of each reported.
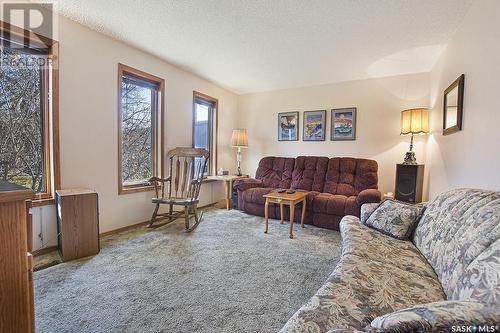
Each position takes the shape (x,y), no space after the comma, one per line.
(139,103)
(202,122)
(21,121)
(201,139)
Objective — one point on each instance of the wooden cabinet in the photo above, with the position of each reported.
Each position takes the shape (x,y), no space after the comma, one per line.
(16,266)
(77,223)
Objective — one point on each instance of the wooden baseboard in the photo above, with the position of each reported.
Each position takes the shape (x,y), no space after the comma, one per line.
(140,224)
(128,227)
(220,204)
(44,250)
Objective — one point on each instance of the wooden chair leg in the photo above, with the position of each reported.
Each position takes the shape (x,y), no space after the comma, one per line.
(153,218)
(186,216)
(195,212)
(197,218)
(170,211)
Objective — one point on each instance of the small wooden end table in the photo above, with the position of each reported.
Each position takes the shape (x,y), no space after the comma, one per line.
(286,199)
(228,186)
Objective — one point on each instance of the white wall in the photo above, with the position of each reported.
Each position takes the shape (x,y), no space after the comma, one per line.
(88,124)
(379,103)
(469,158)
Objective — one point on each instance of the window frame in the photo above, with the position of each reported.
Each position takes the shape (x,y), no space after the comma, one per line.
(212,128)
(50,109)
(158,124)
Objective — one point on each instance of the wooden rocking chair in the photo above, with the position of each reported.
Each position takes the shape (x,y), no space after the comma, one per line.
(187,166)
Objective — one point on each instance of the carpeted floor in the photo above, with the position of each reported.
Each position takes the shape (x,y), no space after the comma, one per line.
(226,276)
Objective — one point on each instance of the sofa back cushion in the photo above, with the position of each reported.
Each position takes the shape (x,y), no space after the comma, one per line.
(395,218)
(275,172)
(349,176)
(479,283)
(455,229)
(309,173)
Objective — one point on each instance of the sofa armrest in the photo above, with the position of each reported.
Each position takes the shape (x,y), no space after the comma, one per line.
(436,317)
(243,184)
(367,210)
(368,196)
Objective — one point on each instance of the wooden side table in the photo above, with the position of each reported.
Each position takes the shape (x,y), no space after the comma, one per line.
(228,186)
(77,223)
(286,199)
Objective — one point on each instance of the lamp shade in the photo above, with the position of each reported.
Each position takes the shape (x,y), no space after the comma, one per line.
(239,138)
(415,121)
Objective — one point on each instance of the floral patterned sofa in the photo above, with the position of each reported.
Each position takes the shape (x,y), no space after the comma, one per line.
(448,272)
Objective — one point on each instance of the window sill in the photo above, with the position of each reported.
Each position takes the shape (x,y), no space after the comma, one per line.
(135,189)
(206,180)
(43,202)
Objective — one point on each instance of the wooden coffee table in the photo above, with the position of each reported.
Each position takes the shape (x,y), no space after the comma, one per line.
(286,199)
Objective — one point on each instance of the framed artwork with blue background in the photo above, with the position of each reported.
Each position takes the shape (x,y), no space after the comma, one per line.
(314,125)
(288,126)
(343,124)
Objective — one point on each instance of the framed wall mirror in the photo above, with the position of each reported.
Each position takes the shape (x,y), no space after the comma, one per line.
(453,106)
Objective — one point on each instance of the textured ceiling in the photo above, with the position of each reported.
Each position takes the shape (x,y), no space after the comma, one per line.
(258,45)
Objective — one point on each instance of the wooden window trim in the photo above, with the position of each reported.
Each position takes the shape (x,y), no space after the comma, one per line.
(212,169)
(158,147)
(51,151)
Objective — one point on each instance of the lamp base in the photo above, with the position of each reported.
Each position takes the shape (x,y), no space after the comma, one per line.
(410,158)
(238,159)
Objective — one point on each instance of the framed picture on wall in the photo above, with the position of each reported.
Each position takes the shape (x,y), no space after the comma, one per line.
(453,106)
(343,124)
(288,126)
(314,125)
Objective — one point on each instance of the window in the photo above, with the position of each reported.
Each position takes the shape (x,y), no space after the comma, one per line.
(140,129)
(28,112)
(205,127)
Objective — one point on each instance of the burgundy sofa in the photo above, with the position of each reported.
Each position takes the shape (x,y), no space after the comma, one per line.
(335,187)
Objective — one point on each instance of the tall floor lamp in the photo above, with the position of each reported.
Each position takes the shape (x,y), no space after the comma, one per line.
(414,121)
(239,139)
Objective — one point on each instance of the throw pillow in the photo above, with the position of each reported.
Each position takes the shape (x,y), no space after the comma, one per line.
(438,317)
(395,218)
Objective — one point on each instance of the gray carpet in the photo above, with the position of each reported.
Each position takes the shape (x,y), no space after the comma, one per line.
(226,276)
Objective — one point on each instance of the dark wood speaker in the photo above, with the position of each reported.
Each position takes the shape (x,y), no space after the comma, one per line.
(409,182)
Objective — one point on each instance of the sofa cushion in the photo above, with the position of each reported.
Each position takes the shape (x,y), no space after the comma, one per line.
(481,279)
(437,317)
(326,203)
(349,176)
(309,173)
(243,184)
(395,218)
(326,221)
(351,206)
(367,210)
(358,290)
(365,242)
(275,172)
(455,229)
(255,195)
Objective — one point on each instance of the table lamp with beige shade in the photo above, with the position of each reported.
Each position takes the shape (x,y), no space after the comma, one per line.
(414,121)
(239,139)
